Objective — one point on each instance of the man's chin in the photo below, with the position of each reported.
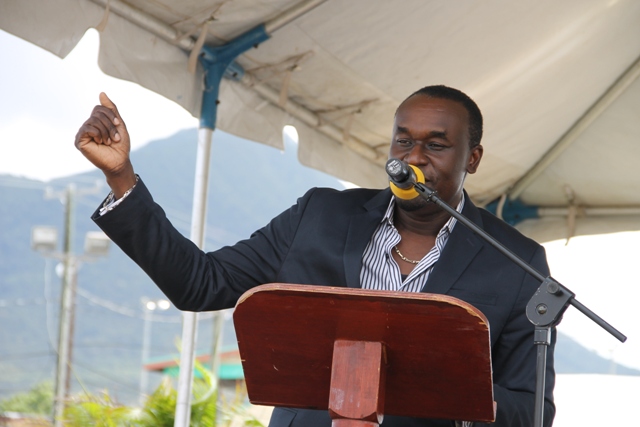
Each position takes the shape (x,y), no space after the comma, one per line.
(411,205)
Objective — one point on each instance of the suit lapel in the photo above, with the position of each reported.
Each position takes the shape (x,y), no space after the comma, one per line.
(463,245)
(361,229)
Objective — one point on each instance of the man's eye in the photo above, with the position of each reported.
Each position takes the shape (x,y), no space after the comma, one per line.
(403,141)
(435,146)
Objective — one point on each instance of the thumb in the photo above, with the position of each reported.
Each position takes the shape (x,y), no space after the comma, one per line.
(120,126)
(106,102)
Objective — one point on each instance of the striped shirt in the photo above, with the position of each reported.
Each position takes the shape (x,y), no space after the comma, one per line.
(380,270)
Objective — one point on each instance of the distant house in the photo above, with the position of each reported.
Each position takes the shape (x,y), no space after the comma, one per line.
(229,374)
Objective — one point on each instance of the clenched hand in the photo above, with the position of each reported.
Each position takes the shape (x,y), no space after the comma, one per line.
(103,139)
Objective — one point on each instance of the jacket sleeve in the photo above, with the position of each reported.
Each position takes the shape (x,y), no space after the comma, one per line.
(192,279)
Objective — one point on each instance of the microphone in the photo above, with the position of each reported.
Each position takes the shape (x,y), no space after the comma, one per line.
(402,177)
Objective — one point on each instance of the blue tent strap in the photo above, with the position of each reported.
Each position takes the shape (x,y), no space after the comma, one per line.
(219,62)
(514,211)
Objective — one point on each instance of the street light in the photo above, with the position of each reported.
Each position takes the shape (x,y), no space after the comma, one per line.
(96,244)
(44,240)
(148,306)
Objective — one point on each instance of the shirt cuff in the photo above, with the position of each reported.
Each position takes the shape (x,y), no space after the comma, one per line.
(110,203)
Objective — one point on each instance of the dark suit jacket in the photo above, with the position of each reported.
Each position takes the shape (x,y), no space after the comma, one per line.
(320,241)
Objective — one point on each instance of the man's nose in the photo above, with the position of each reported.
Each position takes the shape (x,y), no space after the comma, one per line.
(416,155)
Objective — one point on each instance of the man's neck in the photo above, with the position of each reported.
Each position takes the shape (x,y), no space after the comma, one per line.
(426,221)
(420,222)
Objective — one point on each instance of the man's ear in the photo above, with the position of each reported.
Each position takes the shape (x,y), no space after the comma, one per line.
(474,158)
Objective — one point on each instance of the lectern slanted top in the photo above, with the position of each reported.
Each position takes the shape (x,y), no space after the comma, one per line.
(435,348)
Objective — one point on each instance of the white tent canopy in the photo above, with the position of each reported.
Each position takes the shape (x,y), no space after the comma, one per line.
(556,81)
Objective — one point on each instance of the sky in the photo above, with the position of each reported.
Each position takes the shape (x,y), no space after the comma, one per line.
(44,100)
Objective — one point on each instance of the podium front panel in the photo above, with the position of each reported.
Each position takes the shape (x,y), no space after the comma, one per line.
(437,348)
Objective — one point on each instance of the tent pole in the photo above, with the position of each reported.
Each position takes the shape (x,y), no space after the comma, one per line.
(218,62)
(190,319)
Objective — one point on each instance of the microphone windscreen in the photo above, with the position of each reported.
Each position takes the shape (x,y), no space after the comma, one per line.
(408,193)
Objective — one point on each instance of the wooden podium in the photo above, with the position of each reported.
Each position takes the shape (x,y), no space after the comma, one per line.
(361,354)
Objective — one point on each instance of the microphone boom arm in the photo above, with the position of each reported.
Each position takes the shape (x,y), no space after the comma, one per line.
(545,308)
(551,285)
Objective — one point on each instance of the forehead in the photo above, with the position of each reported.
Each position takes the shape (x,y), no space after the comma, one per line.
(422,113)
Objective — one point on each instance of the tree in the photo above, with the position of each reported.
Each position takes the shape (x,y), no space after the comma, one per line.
(159,408)
(38,400)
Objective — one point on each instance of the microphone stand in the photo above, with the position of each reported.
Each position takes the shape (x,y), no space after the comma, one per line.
(545,308)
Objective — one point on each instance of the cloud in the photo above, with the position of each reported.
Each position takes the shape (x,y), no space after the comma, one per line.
(45,100)
(37,150)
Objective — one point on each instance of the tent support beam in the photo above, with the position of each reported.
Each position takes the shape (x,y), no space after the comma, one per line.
(313,120)
(219,62)
(617,89)
(515,211)
(149,23)
(235,72)
(602,211)
(290,14)
(173,36)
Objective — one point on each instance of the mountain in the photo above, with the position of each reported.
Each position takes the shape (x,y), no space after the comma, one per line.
(249,184)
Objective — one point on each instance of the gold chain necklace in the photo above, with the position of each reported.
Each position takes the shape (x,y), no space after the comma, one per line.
(404,258)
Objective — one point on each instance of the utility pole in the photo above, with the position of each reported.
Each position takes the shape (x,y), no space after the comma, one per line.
(67,306)
(44,241)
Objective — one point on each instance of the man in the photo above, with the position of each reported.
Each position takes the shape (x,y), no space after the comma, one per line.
(356,238)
